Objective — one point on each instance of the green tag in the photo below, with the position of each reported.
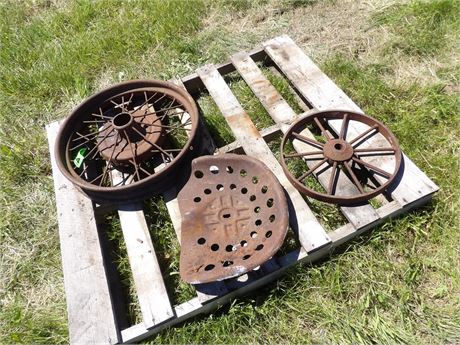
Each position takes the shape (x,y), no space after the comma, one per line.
(78,161)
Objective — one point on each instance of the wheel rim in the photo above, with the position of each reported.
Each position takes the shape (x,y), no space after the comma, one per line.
(126,137)
(320,143)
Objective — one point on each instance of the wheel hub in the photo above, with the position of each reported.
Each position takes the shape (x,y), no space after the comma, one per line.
(338,150)
(129,136)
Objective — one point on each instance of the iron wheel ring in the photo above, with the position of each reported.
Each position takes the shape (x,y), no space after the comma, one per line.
(321,142)
(128,141)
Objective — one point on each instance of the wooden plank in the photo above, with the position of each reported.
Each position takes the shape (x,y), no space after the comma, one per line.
(89,304)
(311,233)
(209,291)
(322,93)
(268,134)
(282,113)
(194,84)
(193,307)
(148,280)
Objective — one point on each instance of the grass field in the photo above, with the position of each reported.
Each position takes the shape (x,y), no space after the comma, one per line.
(399,61)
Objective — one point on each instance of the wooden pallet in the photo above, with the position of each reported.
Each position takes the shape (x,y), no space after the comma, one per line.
(94,310)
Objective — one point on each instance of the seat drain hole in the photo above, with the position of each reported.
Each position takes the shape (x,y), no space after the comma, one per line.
(201,240)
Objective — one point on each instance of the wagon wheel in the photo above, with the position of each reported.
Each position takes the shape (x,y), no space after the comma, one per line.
(322,141)
(128,141)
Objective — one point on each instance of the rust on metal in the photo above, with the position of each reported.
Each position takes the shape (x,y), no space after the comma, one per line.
(141,131)
(335,150)
(234,217)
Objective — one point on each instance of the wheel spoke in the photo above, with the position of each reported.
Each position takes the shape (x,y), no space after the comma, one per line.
(375,150)
(334,173)
(133,155)
(303,154)
(111,156)
(353,177)
(171,127)
(161,111)
(316,166)
(101,115)
(153,144)
(366,133)
(94,121)
(100,142)
(306,140)
(81,136)
(324,133)
(372,167)
(344,128)
(145,171)
(83,171)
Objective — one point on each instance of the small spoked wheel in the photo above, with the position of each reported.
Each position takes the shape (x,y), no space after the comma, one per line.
(340,156)
(128,141)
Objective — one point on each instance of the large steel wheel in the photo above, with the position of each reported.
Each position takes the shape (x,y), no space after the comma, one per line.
(128,141)
(321,143)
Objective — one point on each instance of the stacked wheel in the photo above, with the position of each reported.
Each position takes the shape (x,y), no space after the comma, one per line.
(128,141)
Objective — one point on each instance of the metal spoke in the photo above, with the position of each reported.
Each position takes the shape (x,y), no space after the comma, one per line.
(111,156)
(94,121)
(353,177)
(152,143)
(334,173)
(145,171)
(374,127)
(147,99)
(101,115)
(159,99)
(161,111)
(322,129)
(303,154)
(307,140)
(84,170)
(372,167)
(375,150)
(344,127)
(133,155)
(97,145)
(316,166)
(81,136)
(171,127)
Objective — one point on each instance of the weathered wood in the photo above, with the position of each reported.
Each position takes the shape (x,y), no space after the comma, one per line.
(194,84)
(282,113)
(323,93)
(209,291)
(311,233)
(89,304)
(268,134)
(148,280)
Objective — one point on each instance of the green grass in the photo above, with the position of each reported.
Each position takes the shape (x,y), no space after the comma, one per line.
(398,284)
(422,27)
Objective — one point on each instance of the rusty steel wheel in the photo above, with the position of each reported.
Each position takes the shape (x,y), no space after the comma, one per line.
(128,141)
(320,143)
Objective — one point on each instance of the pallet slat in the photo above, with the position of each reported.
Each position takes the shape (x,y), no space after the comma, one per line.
(148,280)
(311,233)
(323,93)
(209,291)
(89,304)
(282,113)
